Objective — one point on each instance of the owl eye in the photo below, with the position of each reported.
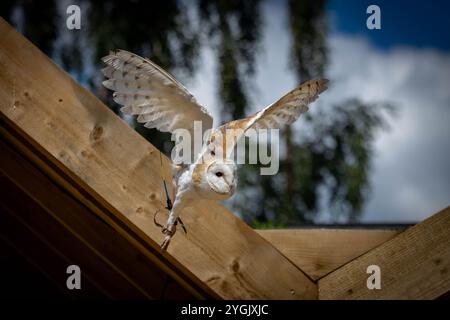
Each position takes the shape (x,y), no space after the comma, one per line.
(219,174)
(213,153)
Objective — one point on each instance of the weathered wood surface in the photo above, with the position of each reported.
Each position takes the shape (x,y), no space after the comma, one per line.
(320,251)
(116,173)
(414,265)
(73,232)
(45,260)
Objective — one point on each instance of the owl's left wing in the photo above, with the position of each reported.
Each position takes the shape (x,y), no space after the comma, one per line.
(285,111)
(155,96)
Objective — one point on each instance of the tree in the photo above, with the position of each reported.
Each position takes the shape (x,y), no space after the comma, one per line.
(234,27)
(332,166)
(333,162)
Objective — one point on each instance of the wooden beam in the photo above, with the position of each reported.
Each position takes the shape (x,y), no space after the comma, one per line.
(35,177)
(414,265)
(96,157)
(319,251)
(49,263)
(72,230)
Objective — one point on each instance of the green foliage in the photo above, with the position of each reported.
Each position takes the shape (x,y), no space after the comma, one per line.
(34,14)
(334,160)
(267,225)
(233,27)
(159,30)
(308,26)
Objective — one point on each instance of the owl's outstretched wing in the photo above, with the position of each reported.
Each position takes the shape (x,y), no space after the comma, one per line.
(155,96)
(283,112)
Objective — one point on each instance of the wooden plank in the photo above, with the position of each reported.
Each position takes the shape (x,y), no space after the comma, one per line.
(69,217)
(414,265)
(117,174)
(65,244)
(18,170)
(49,263)
(173,291)
(319,251)
(21,279)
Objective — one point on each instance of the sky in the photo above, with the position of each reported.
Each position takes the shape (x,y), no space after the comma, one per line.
(407,63)
(419,24)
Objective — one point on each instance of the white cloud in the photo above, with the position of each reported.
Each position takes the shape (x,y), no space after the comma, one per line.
(411,177)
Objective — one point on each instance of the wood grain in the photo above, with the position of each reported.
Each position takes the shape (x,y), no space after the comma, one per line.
(320,251)
(414,265)
(45,260)
(109,282)
(115,172)
(71,229)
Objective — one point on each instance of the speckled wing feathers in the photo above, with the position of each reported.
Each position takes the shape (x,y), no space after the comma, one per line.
(285,111)
(144,89)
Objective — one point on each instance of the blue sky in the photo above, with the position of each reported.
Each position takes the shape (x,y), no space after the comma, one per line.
(412,23)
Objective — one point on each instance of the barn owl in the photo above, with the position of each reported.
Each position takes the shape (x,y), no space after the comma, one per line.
(160,101)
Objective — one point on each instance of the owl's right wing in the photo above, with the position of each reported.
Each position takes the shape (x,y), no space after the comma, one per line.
(283,112)
(156,97)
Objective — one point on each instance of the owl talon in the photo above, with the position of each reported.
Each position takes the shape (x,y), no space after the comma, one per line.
(169,231)
(166,242)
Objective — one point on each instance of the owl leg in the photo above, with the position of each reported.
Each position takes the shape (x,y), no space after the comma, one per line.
(171,225)
(170,229)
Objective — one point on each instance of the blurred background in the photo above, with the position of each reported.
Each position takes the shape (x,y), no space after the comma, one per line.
(373,149)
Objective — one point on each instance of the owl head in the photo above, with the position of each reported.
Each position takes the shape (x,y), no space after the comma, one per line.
(221,178)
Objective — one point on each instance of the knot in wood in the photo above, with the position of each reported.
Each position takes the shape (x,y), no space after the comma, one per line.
(97,133)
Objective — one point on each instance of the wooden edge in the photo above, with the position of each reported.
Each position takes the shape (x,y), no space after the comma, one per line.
(413,265)
(26,150)
(77,232)
(102,162)
(43,258)
(320,251)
